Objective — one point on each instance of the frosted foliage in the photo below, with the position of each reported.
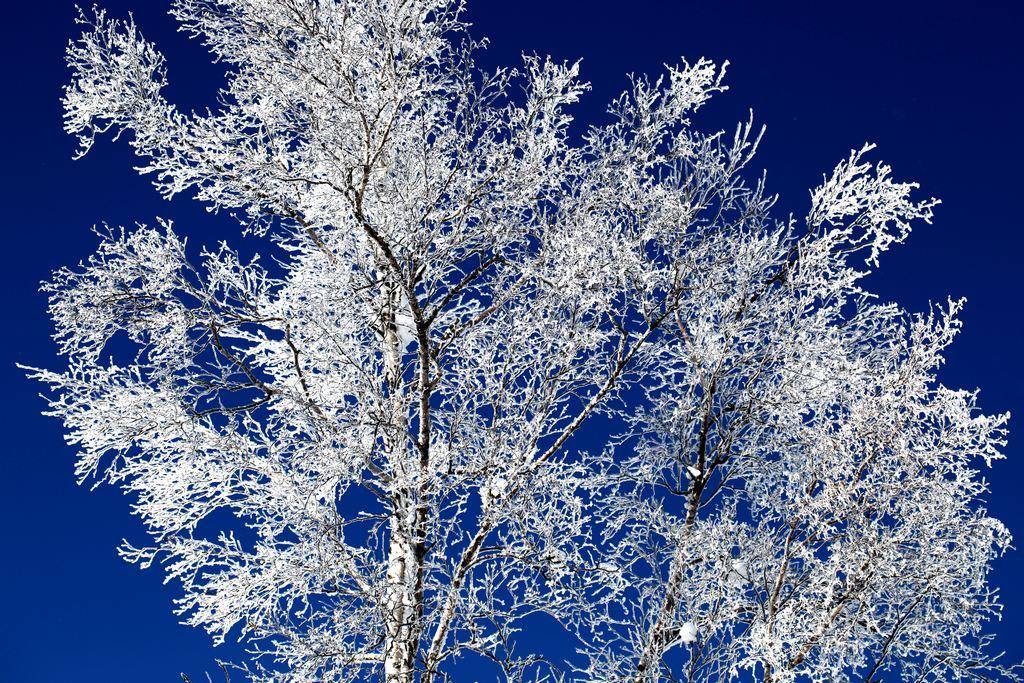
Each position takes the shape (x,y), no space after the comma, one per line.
(361,452)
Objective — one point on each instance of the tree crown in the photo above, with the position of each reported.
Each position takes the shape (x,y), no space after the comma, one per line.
(359,453)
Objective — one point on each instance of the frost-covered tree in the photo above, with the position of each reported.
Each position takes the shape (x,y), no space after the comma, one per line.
(361,452)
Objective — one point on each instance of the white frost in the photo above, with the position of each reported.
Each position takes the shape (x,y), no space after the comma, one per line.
(639,280)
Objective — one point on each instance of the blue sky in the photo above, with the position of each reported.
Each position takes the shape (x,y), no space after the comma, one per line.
(936,84)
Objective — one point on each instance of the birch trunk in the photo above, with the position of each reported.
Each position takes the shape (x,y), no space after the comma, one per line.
(400,613)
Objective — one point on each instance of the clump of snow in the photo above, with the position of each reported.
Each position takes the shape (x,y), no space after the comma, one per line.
(688,633)
(493,490)
(555,558)
(739,574)
(498,487)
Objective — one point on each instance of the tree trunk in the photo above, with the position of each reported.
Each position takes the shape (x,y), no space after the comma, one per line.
(401,638)
(401,612)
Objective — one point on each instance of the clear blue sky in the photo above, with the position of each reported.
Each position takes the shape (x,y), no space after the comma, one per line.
(936,84)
